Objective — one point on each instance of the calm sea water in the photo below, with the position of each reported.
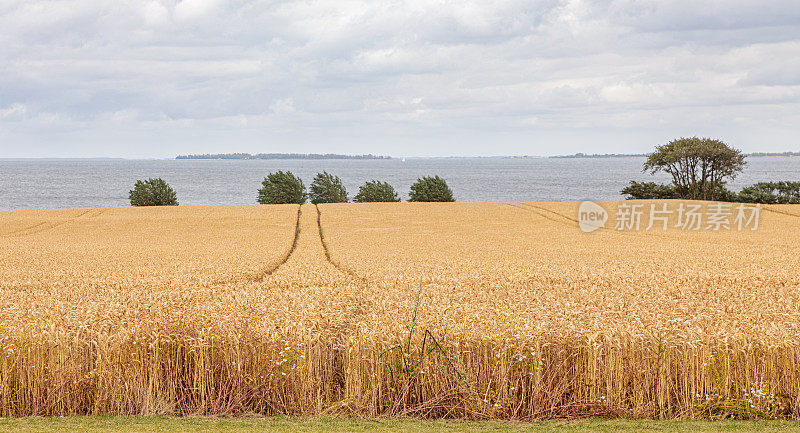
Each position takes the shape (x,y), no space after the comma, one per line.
(45,184)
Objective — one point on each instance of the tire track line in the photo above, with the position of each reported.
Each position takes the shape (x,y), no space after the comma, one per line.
(24,229)
(574,223)
(339,267)
(519,206)
(655,233)
(269,270)
(766,208)
(780,212)
(37,228)
(573,220)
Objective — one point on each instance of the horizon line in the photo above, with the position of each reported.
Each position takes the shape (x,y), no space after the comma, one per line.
(574,155)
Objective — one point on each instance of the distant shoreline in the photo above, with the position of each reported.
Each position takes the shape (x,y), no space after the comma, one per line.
(280,156)
(601,155)
(642,155)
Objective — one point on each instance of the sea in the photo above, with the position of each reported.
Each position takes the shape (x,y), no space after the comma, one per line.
(84,183)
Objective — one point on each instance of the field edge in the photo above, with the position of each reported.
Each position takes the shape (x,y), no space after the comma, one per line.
(326,424)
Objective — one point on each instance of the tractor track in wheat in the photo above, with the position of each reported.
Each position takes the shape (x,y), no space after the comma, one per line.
(48,225)
(269,270)
(327,251)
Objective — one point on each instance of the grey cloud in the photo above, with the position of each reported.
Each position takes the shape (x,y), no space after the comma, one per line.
(349,73)
(687,15)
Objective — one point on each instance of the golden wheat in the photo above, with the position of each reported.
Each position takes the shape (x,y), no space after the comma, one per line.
(469,310)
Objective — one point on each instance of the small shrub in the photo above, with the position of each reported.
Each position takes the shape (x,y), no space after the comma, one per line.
(724,194)
(430,189)
(152,192)
(327,188)
(282,188)
(376,191)
(653,191)
(771,193)
(649,190)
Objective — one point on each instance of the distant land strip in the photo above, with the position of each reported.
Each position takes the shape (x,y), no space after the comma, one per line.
(280,156)
(620,155)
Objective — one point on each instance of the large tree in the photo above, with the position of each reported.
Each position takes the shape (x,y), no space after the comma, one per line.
(699,166)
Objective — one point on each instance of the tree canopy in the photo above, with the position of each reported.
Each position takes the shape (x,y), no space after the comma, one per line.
(282,188)
(376,191)
(327,188)
(430,189)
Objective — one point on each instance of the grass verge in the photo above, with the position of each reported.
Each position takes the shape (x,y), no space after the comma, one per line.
(284,424)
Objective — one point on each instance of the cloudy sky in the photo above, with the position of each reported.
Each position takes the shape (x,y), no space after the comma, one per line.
(418,77)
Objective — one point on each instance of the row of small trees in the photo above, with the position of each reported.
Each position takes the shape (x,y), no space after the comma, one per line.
(762,192)
(284,187)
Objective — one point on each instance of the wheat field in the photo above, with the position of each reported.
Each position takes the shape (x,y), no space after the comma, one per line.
(468,310)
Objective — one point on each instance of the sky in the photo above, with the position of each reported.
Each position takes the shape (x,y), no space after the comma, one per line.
(158,78)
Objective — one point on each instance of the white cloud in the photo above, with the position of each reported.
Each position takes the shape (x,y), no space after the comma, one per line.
(155,13)
(15,112)
(188,10)
(283,106)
